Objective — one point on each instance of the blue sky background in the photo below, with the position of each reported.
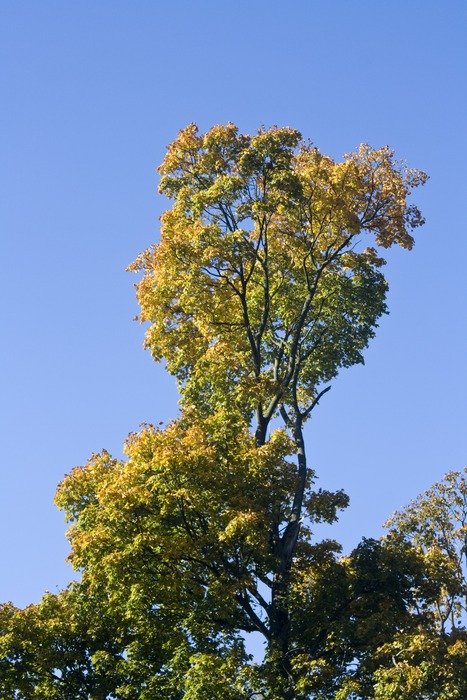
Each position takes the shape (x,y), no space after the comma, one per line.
(91,93)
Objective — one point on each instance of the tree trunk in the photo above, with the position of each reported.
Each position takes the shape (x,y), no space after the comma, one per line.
(278,649)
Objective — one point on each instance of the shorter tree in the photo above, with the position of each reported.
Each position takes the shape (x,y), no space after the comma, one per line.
(67,646)
(429,661)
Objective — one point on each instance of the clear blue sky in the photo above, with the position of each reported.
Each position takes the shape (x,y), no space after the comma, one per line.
(91,93)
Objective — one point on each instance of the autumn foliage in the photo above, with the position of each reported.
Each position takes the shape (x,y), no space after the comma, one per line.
(266,281)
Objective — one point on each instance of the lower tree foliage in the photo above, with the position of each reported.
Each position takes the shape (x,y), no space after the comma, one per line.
(175,574)
(258,292)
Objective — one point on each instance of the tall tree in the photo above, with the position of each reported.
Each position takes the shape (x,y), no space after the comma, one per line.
(262,287)
(266,281)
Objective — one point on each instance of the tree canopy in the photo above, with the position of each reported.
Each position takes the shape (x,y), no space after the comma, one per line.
(266,281)
(260,288)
